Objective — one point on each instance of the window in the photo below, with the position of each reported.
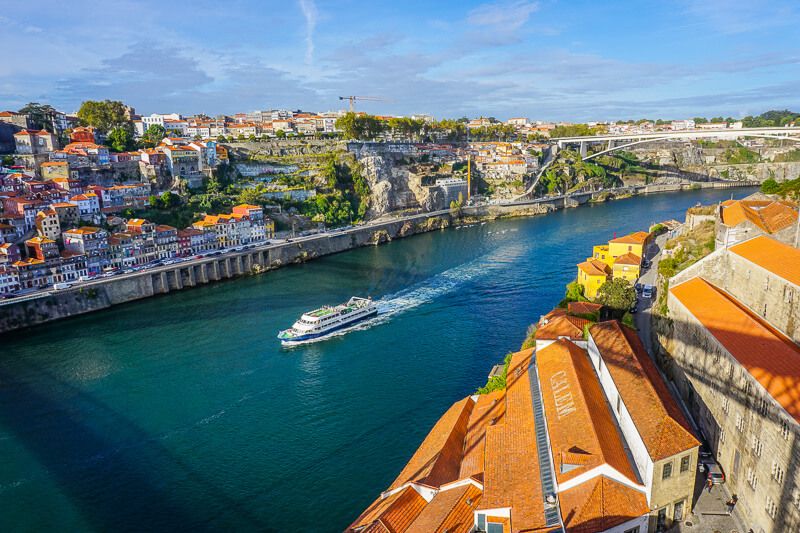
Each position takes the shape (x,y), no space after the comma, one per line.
(726,405)
(667,472)
(777,472)
(685,460)
(752,480)
(771,507)
(757,446)
(619,403)
(785,430)
(632,530)
(739,422)
(481,522)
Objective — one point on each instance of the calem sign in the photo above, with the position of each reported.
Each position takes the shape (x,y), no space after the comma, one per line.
(562,396)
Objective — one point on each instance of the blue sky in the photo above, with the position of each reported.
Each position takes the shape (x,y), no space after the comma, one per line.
(544,59)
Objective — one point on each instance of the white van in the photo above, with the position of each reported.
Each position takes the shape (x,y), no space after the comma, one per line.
(61,286)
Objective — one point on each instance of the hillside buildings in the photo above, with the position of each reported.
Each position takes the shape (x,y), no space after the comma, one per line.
(739,220)
(621,258)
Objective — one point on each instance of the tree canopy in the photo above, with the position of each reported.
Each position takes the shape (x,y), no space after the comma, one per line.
(104,115)
(120,140)
(39,115)
(153,135)
(617,295)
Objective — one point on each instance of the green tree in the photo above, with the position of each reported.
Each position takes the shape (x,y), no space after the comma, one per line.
(280,134)
(170,200)
(254,195)
(40,116)
(104,115)
(153,135)
(770,186)
(618,295)
(8,160)
(120,140)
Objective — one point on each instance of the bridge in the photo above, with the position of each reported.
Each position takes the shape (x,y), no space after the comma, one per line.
(622,141)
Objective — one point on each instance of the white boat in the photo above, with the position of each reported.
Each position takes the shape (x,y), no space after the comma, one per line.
(328,319)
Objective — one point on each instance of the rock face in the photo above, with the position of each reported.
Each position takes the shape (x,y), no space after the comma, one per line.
(686,161)
(394,186)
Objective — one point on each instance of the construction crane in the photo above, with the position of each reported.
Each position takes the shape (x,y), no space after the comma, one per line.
(354,98)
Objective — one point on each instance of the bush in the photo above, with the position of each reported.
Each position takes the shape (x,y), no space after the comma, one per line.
(574,294)
(497,382)
(770,186)
(618,295)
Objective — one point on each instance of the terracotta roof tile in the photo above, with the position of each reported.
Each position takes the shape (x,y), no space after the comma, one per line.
(771,358)
(562,326)
(658,419)
(628,259)
(594,267)
(566,374)
(583,308)
(600,504)
(780,259)
(767,215)
(634,238)
(391,514)
(488,411)
(512,466)
(449,511)
(438,459)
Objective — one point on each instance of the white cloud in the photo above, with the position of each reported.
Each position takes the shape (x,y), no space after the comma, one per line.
(309,9)
(503,16)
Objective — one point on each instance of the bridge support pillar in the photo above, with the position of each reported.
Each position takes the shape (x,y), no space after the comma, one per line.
(610,145)
(583,149)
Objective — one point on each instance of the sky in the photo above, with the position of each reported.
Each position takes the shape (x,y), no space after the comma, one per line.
(572,60)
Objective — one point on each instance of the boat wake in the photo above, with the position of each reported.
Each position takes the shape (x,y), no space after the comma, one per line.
(428,290)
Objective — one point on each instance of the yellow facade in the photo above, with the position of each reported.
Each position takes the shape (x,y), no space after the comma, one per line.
(601,253)
(591,276)
(634,243)
(629,272)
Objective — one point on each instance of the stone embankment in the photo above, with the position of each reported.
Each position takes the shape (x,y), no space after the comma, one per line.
(101,294)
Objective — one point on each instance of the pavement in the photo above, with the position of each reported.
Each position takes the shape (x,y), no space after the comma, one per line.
(709,510)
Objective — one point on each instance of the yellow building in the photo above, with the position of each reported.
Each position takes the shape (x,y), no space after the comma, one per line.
(627,266)
(601,253)
(591,275)
(634,243)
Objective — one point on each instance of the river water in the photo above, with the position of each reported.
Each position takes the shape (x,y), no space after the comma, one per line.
(183,412)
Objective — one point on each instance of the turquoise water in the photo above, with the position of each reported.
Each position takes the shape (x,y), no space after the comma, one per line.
(183,412)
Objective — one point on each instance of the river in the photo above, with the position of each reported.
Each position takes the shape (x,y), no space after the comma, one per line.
(183,412)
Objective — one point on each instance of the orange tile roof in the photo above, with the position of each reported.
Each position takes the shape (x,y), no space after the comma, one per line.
(567,375)
(86,230)
(780,259)
(628,259)
(633,238)
(658,419)
(391,514)
(771,358)
(767,215)
(593,267)
(562,326)
(488,411)
(449,511)
(512,466)
(583,308)
(438,459)
(600,504)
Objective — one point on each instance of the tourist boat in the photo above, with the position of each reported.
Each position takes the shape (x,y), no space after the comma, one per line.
(328,319)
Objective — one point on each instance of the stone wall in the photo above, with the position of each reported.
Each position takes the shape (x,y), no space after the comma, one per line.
(749,433)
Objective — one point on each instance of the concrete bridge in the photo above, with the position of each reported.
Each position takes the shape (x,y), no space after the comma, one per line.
(622,141)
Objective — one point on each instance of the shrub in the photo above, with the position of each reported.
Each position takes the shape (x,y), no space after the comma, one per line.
(497,382)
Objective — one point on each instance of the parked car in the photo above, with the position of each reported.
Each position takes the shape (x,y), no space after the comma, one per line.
(647,263)
(714,472)
(638,288)
(86,278)
(61,286)
(648,291)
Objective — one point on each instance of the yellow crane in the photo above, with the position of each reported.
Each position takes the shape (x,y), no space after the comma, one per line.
(353,99)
